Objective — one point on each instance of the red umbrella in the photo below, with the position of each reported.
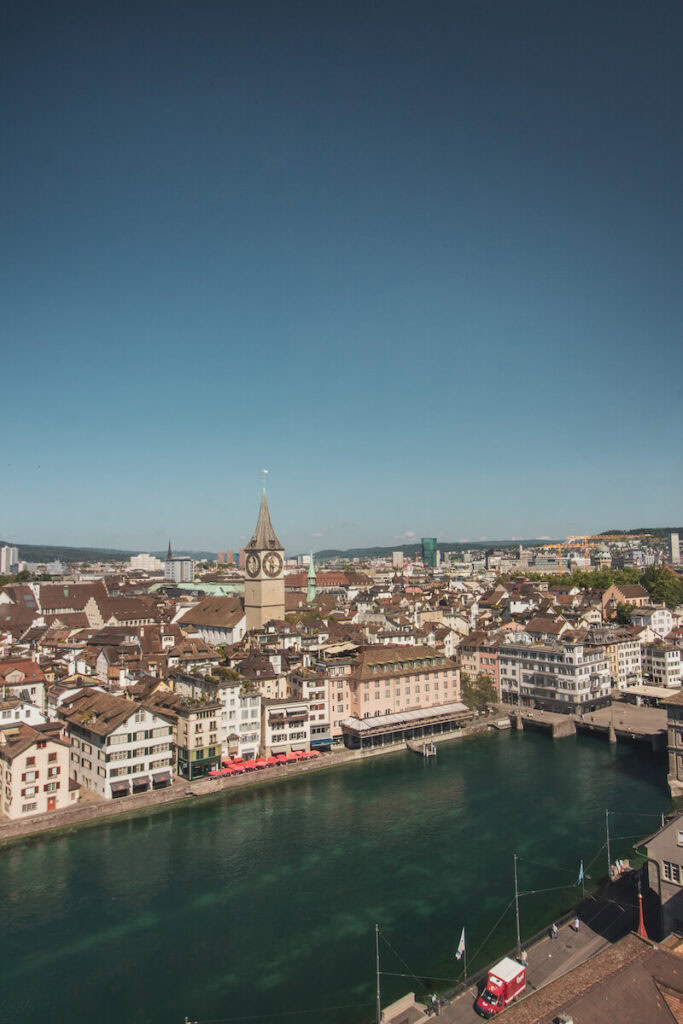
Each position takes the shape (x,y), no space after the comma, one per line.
(314,753)
(237,769)
(227,771)
(238,757)
(249,765)
(280,758)
(271,760)
(214,774)
(260,762)
(291,757)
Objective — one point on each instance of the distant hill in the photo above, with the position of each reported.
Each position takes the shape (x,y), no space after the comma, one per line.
(655,531)
(55,552)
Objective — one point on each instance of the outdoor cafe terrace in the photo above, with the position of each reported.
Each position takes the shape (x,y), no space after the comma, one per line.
(360,734)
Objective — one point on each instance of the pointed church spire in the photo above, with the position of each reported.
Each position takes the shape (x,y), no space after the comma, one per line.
(169,556)
(264,535)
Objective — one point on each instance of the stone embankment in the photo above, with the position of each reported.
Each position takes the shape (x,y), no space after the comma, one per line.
(93,811)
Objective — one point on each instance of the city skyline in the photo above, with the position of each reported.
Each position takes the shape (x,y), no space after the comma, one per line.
(422,263)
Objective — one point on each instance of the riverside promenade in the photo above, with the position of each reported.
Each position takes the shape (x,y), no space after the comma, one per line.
(93,809)
(602,920)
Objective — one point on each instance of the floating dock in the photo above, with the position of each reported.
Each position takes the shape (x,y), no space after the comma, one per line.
(423,749)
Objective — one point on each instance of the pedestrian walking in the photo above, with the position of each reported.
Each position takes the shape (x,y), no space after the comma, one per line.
(576,925)
(553,931)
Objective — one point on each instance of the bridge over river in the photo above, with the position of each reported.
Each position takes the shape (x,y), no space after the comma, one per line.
(620,722)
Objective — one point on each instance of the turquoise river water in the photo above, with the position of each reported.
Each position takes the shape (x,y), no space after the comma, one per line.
(261,903)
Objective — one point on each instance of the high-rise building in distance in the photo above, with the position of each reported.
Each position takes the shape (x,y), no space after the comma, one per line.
(674,549)
(429,552)
(9,559)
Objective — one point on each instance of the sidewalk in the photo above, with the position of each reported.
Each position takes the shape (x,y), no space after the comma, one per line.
(602,920)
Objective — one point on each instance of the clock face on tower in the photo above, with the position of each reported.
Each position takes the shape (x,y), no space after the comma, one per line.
(272,563)
(253,564)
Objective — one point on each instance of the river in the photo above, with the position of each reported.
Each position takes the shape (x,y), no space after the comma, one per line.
(264,902)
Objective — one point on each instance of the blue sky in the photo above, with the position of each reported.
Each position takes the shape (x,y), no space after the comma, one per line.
(420,260)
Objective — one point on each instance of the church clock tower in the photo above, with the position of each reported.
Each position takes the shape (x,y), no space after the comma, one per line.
(264,586)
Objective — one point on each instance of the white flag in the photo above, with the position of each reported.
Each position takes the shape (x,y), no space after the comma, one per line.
(461,946)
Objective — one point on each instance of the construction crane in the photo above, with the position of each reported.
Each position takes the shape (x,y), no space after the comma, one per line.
(598,541)
(560,568)
(605,538)
(587,543)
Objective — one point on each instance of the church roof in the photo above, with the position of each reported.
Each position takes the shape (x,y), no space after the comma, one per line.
(264,535)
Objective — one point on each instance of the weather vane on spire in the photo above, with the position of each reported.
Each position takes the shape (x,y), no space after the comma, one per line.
(264,473)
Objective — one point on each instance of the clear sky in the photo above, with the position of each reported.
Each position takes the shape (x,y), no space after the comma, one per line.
(420,260)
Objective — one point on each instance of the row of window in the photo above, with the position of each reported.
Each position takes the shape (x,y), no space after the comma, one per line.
(124,755)
(49,787)
(145,734)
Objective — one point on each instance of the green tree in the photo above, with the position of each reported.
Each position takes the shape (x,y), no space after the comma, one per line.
(663,586)
(477,692)
(624,614)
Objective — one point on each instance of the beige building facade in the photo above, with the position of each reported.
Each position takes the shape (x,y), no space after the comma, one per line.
(34,771)
(386,680)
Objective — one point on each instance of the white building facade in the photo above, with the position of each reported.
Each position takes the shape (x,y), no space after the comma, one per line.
(240,716)
(117,747)
(560,677)
(661,664)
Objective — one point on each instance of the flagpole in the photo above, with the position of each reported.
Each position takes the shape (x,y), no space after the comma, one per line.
(519,941)
(583,882)
(379,998)
(464,953)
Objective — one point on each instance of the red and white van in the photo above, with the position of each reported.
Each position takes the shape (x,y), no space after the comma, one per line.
(505,982)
